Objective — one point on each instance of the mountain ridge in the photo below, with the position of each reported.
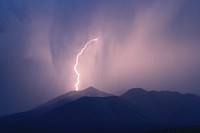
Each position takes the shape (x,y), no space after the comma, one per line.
(170,107)
(91,109)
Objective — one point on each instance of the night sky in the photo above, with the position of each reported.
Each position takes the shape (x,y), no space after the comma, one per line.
(152,44)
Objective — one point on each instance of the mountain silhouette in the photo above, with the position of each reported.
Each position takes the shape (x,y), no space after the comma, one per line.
(167,107)
(93,110)
(94,113)
(65,99)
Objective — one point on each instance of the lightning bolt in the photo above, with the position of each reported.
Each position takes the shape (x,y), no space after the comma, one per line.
(77,59)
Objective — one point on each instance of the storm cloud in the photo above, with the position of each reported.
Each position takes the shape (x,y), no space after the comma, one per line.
(151,44)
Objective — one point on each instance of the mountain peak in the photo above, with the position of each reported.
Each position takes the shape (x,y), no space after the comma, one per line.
(92,92)
(88,92)
(72,96)
(90,89)
(135,91)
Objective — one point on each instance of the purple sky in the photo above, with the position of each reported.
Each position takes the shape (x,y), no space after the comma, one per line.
(151,44)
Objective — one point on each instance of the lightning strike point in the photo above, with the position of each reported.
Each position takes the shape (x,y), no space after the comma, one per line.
(77,60)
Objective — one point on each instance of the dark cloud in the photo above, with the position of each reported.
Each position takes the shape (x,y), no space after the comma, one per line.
(12,13)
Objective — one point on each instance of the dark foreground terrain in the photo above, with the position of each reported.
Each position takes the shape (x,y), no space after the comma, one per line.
(91,110)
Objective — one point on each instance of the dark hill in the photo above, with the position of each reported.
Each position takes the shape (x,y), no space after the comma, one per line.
(98,113)
(63,100)
(167,107)
(85,114)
